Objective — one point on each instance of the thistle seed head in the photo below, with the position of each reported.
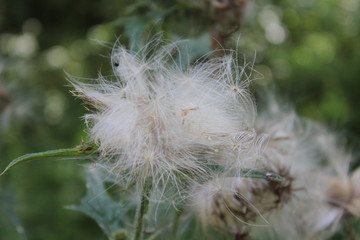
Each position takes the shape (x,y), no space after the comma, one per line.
(160,120)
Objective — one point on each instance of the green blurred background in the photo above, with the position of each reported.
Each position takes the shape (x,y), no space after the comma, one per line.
(310,49)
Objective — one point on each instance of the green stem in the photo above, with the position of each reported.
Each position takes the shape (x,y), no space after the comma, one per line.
(251,173)
(142,210)
(176,222)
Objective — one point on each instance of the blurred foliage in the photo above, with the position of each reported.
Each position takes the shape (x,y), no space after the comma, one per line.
(10,223)
(309,49)
(110,214)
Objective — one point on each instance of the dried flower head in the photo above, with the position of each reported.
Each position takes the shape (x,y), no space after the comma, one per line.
(159,119)
(344,194)
(234,204)
(290,151)
(341,190)
(318,165)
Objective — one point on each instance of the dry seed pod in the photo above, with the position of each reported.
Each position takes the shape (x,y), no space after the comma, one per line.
(234,204)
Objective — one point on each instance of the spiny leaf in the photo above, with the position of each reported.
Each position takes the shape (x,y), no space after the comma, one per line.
(98,205)
(81,151)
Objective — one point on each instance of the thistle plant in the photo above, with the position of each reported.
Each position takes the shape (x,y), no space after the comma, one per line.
(187,137)
(160,123)
(155,120)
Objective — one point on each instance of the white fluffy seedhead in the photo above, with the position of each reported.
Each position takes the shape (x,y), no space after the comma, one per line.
(341,189)
(234,204)
(160,120)
(316,164)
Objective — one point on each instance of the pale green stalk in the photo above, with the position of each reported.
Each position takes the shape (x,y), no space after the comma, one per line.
(142,210)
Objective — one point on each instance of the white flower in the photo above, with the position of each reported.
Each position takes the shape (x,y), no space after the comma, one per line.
(165,121)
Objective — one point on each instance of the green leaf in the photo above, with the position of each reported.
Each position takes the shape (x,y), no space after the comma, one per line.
(11,226)
(82,151)
(98,205)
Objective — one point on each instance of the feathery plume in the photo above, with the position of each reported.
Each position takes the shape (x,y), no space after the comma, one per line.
(317,165)
(163,121)
(235,204)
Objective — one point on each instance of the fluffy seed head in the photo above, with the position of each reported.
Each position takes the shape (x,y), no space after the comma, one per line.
(341,189)
(344,194)
(159,118)
(322,191)
(234,204)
